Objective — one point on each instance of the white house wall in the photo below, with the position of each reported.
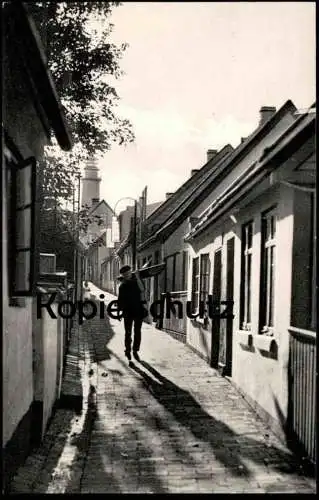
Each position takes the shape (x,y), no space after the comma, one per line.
(25,129)
(16,348)
(199,336)
(263,379)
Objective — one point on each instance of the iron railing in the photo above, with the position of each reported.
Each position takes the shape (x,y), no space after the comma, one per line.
(174,323)
(302,391)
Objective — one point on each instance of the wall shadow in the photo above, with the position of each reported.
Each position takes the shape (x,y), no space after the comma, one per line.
(44,457)
(227,446)
(292,439)
(115,467)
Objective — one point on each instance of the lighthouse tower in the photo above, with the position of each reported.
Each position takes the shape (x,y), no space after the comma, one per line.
(90,184)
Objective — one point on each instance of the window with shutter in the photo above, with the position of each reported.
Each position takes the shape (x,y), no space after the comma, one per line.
(21,191)
(195,285)
(204,277)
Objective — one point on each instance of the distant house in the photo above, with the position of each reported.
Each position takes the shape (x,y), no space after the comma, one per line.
(99,219)
(254,247)
(122,252)
(164,230)
(96,252)
(31,111)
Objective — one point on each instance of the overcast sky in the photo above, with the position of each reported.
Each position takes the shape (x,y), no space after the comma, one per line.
(196,77)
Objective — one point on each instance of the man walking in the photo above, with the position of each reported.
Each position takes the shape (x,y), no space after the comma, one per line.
(130,302)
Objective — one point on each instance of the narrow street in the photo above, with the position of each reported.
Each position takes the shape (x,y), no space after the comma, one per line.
(168,424)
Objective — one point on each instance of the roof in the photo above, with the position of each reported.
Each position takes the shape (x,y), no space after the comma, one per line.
(152,207)
(214,175)
(300,126)
(294,136)
(127,239)
(183,191)
(23,33)
(92,209)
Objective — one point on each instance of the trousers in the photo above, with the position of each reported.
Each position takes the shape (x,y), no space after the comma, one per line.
(128,325)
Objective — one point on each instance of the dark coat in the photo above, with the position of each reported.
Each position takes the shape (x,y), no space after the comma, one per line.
(129,299)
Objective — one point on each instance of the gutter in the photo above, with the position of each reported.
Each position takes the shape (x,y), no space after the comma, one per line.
(191,198)
(233,189)
(230,162)
(253,174)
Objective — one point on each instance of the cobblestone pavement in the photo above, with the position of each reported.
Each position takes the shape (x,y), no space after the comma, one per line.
(169,424)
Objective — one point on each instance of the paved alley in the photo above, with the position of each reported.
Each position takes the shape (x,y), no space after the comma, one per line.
(168,424)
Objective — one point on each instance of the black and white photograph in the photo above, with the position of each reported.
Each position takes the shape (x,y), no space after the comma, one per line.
(159,247)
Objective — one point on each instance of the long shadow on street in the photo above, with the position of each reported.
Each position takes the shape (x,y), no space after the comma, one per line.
(227,446)
(114,465)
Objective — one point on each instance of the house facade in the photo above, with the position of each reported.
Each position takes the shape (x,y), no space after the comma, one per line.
(123,253)
(110,270)
(96,253)
(95,239)
(253,260)
(164,236)
(31,112)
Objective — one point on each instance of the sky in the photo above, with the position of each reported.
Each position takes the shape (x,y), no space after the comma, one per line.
(196,76)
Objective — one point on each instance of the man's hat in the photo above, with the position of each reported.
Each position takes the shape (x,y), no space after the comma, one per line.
(124,269)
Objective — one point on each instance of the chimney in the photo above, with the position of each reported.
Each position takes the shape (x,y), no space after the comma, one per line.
(194,171)
(266,112)
(168,195)
(211,153)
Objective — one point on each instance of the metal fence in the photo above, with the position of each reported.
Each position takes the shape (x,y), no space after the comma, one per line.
(302,389)
(174,323)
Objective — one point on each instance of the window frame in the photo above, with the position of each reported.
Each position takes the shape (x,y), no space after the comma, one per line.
(195,281)
(246,278)
(185,270)
(14,164)
(203,293)
(268,272)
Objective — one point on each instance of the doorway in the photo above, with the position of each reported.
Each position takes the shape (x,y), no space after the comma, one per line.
(229,298)
(216,297)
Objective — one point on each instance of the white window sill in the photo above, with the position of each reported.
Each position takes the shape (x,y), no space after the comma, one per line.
(245,337)
(266,343)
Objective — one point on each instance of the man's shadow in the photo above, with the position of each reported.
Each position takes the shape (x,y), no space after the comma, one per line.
(190,414)
(99,333)
(222,439)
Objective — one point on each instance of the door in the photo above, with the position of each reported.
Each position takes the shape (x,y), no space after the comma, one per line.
(229,305)
(216,297)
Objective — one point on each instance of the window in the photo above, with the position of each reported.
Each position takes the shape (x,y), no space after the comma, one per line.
(178,272)
(20,190)
(204,277)
(195,285)
(170,276)
(268,249)
(157,257)
(185,270)
(156,278)
(246,271)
